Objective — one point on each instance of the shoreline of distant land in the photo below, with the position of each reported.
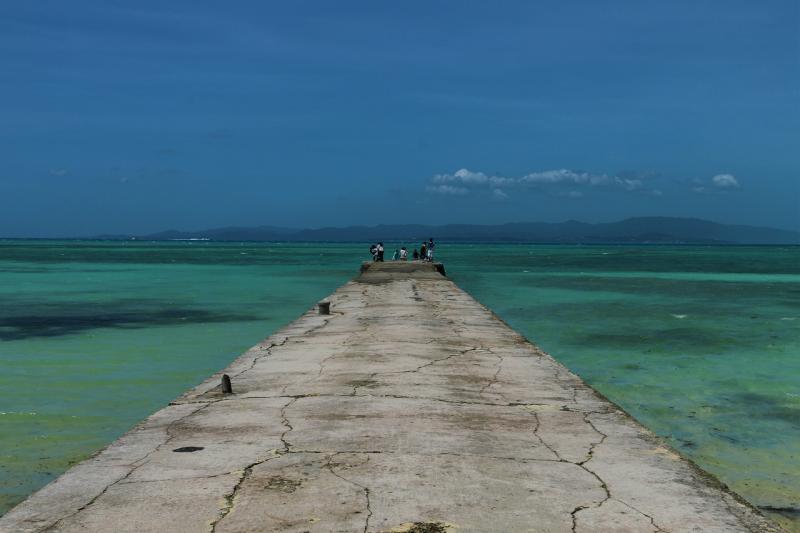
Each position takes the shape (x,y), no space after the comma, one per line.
(640,230)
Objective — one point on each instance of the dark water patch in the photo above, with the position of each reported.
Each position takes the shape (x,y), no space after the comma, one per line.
(711,290)
(769,407)
(788,512)
(688,327)
(686,340)
(722,259)
(187,253)
(61,270)
(28,270)
(26,326)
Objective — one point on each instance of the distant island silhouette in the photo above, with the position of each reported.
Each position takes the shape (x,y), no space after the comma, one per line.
(642,230)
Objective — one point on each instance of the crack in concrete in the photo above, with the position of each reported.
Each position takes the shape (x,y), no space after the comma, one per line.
(141,462)
(86,505)
(437,454)
(373,375)
(580,464)
(431,363)
(366,490)
(560,407)
(285,421)
(603,485)
(140,481)
(230,498)
(541,440)
(258,358)
(494,379)
(603,437)
(248,470)
(658,528)
(561,380)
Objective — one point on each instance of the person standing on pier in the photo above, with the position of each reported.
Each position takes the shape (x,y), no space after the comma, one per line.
(423,251)
(431,245)
(380,252)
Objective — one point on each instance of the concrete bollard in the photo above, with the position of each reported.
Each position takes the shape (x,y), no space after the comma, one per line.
(226,384)
(324,308)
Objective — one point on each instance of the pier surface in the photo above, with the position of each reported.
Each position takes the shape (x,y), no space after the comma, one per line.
(411,407)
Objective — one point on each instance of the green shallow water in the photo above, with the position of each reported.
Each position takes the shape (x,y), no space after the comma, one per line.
(701,344)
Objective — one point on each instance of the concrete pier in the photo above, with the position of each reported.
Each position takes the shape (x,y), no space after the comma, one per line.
(410,407)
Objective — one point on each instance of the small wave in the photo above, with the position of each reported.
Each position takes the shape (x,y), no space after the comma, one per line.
(680,316)
(16,413)
(788,318)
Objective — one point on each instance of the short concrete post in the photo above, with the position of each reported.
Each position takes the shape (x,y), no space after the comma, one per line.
(226,384)
(324,308)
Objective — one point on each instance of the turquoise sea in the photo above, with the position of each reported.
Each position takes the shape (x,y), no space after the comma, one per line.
(701,344)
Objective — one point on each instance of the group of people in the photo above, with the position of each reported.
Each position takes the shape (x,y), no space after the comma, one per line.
(424,253)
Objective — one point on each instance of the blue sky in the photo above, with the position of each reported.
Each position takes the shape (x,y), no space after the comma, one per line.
(142,116)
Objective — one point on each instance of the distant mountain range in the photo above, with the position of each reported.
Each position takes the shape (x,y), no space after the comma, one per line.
(662,230)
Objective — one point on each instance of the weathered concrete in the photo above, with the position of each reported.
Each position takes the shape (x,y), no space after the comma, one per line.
(409,404)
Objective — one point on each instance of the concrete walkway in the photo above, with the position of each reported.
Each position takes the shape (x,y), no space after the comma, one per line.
(410,408)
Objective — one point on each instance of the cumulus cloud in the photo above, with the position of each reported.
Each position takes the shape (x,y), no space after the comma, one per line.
(560,182)
(725,181)
(718,183)
(581,178)
(499,194)
(448,189)
(467,177)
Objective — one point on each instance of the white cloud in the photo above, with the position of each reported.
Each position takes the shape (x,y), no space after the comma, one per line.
(467,177)
(448,189)
(461,176)
(499,194)
(565,176)
(464,181)
(59,172)
(718,184)
(725,181)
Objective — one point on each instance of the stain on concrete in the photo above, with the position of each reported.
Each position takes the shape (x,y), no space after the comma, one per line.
(282,484)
